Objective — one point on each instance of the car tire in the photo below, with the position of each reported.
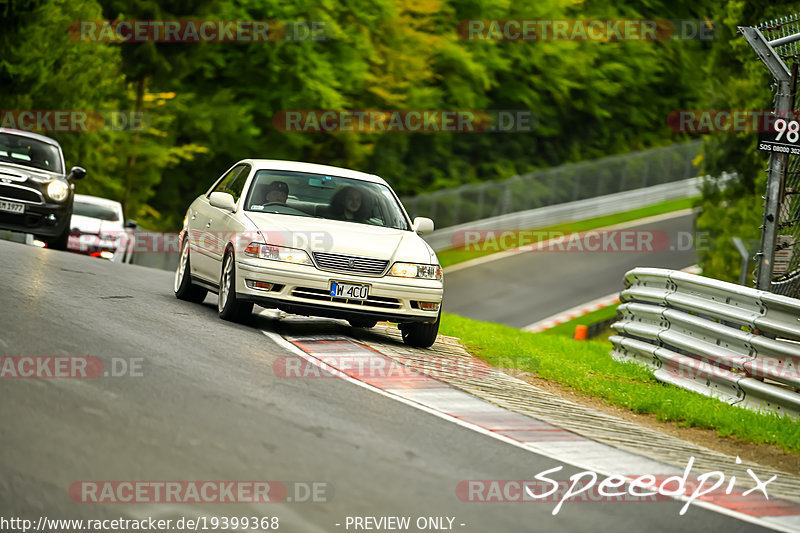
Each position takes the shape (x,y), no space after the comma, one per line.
(183,286)
(420,334)
(362,323)
(228,306)
(59,242)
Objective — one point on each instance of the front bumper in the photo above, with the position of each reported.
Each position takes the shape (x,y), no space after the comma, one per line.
(46,220)
(92,244)
(301,289)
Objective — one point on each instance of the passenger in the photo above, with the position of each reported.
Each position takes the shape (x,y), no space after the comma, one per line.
(351,203)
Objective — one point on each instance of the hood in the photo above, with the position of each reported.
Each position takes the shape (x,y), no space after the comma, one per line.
(346,238)
(94,225)
(22,173)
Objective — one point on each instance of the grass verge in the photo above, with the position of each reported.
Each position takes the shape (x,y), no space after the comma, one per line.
(587,368)
(459,255)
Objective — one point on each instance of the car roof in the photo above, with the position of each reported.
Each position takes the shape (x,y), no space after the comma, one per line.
(312,168)
(86,198)
(31,135)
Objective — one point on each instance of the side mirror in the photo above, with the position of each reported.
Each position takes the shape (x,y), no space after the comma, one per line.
(223,200)
(77,173)
(423,225)
(131,224)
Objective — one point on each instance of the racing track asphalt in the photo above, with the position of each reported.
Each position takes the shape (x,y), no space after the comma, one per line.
(524,288)
(208,406)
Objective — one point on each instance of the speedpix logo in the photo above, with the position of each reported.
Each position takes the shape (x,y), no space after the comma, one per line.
(587,487)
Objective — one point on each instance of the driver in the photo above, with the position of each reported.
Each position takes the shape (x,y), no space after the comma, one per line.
(38,158)
(277,193)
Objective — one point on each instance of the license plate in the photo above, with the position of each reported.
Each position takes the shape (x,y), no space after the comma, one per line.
(12,207)
(349,291)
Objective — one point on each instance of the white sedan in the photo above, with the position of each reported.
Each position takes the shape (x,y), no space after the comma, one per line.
(311,240)
(97,228)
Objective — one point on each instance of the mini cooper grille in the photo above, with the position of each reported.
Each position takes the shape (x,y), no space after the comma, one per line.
(325,296)
(350,263)
(10,192)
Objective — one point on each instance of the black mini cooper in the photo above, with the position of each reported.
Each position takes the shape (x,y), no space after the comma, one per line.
(36,194)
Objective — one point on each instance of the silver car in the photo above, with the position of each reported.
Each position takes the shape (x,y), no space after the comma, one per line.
(312,240)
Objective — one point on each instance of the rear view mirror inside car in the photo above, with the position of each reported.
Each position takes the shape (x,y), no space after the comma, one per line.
(326,182)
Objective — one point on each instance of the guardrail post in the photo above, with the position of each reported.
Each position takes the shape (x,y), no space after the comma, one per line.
(745,259)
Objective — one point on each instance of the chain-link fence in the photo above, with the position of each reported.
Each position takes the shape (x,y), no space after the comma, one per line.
(777,40)
(565,183)
(786,262)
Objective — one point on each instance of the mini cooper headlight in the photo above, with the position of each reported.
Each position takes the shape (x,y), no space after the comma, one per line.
(58,191)
(277,253)
(413,270)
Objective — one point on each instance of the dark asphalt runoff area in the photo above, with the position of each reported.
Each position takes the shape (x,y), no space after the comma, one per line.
(521,289)
(205,405)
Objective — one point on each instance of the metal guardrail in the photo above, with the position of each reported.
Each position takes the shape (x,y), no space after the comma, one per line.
(450,237)
(557,185)
(720,339)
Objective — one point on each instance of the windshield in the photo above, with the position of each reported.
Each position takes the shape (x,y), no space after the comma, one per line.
(329,197)
(103,212)
(29,152)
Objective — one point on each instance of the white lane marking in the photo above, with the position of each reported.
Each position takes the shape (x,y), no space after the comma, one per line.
(554,454)
(515,251)
(575,312)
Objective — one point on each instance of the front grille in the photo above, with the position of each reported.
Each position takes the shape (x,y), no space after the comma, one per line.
(325,296)
(11,192)
(350,264)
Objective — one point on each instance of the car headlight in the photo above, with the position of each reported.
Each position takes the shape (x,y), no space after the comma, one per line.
(277,253)
(58,191)
(413,270)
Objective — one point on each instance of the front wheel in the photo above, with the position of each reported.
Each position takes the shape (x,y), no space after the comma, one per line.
(420,334)
(183,286)
(228,306)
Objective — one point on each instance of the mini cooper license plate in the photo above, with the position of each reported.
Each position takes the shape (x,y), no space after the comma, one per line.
(350,291)
(12,207)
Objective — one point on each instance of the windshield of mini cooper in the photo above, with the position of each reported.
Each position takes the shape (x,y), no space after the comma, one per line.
(322,196)
(29,152)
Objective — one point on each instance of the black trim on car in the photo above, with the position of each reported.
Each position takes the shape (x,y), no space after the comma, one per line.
(329,312)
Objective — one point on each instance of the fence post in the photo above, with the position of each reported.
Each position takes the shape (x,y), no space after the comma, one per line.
(777,162)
